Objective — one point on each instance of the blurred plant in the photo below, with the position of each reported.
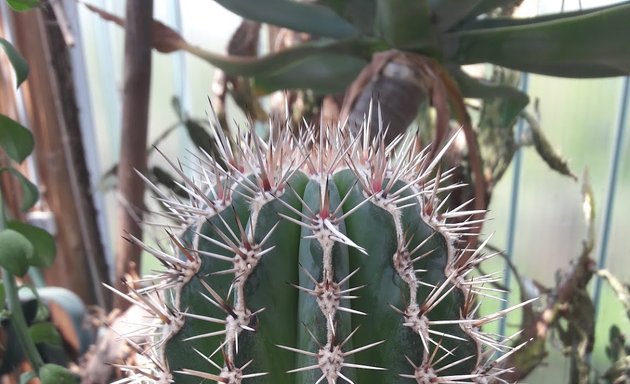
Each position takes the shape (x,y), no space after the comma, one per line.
(26,330)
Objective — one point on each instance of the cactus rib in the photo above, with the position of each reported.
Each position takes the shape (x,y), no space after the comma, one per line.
(325,257)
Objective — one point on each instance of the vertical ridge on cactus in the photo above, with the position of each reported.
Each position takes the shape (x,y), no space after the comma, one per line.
(324,258)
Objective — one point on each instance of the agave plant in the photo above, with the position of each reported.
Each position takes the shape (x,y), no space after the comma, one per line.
(327,257)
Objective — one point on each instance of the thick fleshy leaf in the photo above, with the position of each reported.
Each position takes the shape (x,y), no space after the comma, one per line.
(360,13)
(321,73)
(22,5)
(299,16)
(513,99)
(499,22)
(16,252)
(449,13)
(16,140)
(19,64)
(586,45)
(44,333)
(44,245)
(275,63)
(405,24)
(485,6)
(30,194)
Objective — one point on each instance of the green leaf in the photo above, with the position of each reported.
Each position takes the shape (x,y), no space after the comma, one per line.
(449,13)
(500,22)
(56,374)
(405,24)
(16,252)
(277,62)
(360,13)
(43,243)
(321,73)
(27,376)
(299,16)
(16,140)
(19,64)
(30,194)
(44,333)
(485,6)
(199,136)
(585,45)
(513,100)
(22,5)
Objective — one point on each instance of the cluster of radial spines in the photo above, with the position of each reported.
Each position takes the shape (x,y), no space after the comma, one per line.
(261,169)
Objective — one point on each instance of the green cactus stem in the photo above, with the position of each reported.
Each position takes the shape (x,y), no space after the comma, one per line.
(324,258)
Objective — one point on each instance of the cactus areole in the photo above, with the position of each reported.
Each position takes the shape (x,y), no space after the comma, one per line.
(324,258)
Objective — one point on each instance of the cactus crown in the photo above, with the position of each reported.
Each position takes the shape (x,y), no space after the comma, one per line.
(324,257)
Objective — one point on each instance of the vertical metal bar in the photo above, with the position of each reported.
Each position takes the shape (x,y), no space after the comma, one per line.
(512,215)
(612,188)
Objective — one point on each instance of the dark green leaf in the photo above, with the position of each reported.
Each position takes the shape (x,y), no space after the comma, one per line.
(43,243)
(16,140)
(19,64)
(321,73)
(513,100)
(199,136)
(448,13)
(360,13)
(405,24)
(485,6)
(299,16)
(586,45)
(30,194)
(56,374)
(498,22)
(16,252)
(163,177)
(177,107)
(274,63)
(22,5)
(44,333)
(27,376)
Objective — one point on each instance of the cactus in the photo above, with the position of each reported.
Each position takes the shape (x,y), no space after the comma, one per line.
(323,258)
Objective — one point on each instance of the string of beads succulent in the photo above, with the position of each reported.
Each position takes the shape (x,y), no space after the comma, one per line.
(322,257)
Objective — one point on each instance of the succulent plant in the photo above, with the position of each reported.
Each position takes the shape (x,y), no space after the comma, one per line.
(323,258)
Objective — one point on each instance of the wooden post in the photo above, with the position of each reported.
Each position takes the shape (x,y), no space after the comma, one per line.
(137,81)
(64,179)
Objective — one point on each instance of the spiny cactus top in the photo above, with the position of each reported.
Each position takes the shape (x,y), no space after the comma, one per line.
(324,258)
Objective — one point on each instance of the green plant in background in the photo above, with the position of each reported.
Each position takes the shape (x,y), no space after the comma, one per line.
(324,258)
(24,246)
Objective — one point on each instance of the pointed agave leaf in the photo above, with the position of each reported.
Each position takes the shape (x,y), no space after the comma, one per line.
(405,25)
(299,16)
(586,45)
(43,243)
(16,252)
(16,140)
(449,13)
(19,64)
(497,22)
(514,100)
(30,194)
(325,73)
(485,6)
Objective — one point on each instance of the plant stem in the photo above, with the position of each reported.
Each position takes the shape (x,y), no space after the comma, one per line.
(19,322)
(15,307)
